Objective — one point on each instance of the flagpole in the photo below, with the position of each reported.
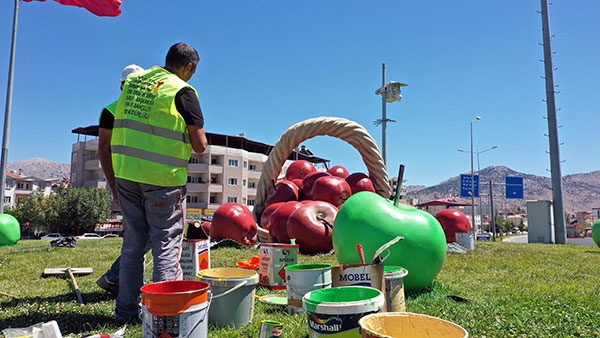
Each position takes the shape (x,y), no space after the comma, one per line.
(6,135)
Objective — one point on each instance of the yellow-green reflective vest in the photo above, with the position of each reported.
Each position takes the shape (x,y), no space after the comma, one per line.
(112,108)
(150,142)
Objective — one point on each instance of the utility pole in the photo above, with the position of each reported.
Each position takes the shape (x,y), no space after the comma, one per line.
(560,233)
(383,116)
(492,211)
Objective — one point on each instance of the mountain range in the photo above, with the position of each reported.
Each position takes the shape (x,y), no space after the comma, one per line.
(581,192)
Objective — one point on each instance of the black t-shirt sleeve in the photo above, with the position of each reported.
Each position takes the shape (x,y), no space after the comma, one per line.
(188,105)
(106,119)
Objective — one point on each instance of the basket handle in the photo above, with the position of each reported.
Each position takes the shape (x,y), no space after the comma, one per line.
(344,129)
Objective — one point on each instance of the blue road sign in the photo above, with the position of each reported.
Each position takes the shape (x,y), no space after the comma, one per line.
(514,187)
(465,185)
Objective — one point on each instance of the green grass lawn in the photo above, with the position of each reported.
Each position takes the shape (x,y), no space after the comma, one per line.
(515,290)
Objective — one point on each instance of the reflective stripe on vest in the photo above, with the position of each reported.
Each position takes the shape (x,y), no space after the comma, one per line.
(149,156)
(154,130)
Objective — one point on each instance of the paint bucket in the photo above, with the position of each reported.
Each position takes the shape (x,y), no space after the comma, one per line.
(233,296)
(394,288)
(270,329)
(370,275)
(175,309)
(406,324)
(303,278)
(274,257)
(195,256)
(465,239)
(335,312)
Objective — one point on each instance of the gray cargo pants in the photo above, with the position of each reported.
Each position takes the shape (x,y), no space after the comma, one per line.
(155,213)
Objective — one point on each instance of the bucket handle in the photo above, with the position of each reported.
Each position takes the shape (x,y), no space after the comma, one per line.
(377,259)
(230,290)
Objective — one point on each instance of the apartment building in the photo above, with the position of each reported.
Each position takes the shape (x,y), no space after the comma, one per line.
(19,186)
(228,171)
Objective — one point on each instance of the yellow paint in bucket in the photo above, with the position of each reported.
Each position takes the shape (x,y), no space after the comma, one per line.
(233,295)
(408,325)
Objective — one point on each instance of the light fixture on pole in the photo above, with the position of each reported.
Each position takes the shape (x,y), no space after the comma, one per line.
(390,92)
(477,118)
(478,167)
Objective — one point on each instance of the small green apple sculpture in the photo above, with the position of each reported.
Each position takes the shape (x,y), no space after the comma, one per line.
(10,231)
(371,220)
(596,232)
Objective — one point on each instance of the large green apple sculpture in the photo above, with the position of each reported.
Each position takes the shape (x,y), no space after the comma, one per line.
(371,220)
(10,232)
(596,232)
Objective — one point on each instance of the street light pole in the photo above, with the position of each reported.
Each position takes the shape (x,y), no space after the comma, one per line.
(474,225)
(383,116)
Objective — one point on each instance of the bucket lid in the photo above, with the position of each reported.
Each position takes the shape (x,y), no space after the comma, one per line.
(406,324)
(392,271)
(343,300)
(226,275)
(308,267)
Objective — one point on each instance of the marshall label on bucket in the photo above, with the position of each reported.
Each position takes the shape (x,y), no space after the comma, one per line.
(322,325)
(274,258)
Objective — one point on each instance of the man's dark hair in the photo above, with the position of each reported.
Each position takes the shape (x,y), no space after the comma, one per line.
(180,54)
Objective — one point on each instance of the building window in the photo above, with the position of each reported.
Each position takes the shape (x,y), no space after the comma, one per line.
(213,161)
(23,186)
(213,199)
(73,177)
(232,181)
(231,199)
(192,199)
(243,200)
(213,180)
(251,185)
(245,164)
(194,179)
(252,167)
(74,158)
(233,163)
(243,182)
(6,199)
(250,202)
(194,160)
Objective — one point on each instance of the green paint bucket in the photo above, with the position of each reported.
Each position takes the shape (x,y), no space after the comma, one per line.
(335,312)
(394,288)
(303,278)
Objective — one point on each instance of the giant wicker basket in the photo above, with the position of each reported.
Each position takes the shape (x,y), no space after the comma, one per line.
(349,131)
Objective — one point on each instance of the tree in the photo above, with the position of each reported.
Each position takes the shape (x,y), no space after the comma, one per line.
(29,210)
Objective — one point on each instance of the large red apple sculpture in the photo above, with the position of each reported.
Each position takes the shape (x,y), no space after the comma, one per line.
(312,225)
(234,221)
(360,182)
(309,180)
(284,191)
(453,221)
(265,218)
(332,189)
(299,169)
(339,171)
(278,221)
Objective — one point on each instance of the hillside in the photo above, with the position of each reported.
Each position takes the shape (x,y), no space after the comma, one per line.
(581,192)
(40,168)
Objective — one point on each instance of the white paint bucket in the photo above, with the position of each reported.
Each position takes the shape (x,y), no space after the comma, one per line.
(394,288)
(195,256)
(408,325)
(233,296)
(176,309)
(465,239)
(274,257)
(335,312)
(303,278)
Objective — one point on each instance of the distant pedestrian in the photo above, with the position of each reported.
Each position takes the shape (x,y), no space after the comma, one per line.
(158,122)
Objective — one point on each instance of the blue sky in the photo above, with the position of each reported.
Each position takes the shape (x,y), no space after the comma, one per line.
(266,65)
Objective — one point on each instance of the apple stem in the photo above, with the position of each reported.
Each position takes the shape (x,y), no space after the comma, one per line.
(399,185)
(324,221)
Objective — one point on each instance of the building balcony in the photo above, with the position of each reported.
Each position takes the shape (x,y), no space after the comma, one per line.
(251,192)
(197,187)
(197,167)
(216,169)
(93,164)
(215,188)
(199,205)
(213,206)
(254,174)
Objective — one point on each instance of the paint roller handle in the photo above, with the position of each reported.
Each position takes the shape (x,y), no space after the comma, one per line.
(361,253)
(79,298)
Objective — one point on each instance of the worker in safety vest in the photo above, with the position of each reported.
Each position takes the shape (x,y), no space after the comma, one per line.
(109,281)
(158,122)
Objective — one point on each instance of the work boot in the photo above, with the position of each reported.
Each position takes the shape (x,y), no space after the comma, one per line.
(108,286)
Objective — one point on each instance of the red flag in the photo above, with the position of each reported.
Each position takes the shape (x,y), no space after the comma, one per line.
(98,7)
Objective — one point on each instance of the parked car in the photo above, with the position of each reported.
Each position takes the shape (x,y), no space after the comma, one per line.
(52,236)
(89,235)
(110,236)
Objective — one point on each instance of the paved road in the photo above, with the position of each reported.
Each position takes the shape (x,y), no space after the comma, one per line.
(579,241)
